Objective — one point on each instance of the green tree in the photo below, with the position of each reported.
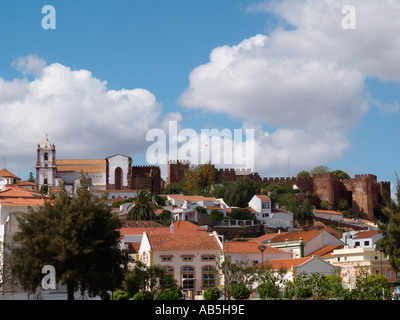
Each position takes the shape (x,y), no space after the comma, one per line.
(31,178)
(238,278)
(212,294)
(319,170)
(369,286)
(77,235)
(239,194)
(174,293)
(303,175)
(343,205)
(142,207)
(389,227)
(173,188)
(305,215)
(199,179)
(120,295)
(142,277)
(340,174)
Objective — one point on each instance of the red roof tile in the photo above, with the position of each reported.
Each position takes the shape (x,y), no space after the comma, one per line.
(247,247)
(7,174)
(262,197)
(285,263)
(305,235)
(183,242)
(365,234)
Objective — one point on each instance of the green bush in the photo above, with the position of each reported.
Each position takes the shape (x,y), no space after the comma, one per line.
(240,292)
(212,294)
(147,295)
(170,294)
(120,295)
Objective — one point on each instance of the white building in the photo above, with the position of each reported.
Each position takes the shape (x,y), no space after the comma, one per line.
(302,244)
(328,214)
(272,218)
(189,257)
(362,239)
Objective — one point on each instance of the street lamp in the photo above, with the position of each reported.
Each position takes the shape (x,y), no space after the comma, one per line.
(380,249)
(223,255)
(262,248)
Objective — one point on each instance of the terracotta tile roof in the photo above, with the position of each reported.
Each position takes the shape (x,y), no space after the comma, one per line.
(22,202)
(18,192)
(7,174)
(262,197)
(214,208)
(183,242)
(328,212)
(365,234)
(266,237)
(26,183)
(86,165)
(285,263)
(305,235)
(179,227)
(247,247)
(326,251)
(191,198)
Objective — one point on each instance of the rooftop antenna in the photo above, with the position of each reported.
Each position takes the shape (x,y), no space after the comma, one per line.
(5,162)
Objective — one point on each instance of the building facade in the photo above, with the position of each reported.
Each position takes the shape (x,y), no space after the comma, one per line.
(115,172)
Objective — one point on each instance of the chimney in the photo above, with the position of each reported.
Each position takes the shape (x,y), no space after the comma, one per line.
(171,228)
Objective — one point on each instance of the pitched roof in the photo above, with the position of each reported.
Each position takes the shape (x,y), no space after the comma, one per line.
(22,202)
(179,227)
(285,263)
(266,237)
(365,234)
(326,251)
(305,235)
(183,242)
(327,212)
(247,247)
(7,174)
(262,197)
(190,198)
(86,165)
(18,192)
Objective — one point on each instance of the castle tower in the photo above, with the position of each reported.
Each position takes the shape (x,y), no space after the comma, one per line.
(46,165)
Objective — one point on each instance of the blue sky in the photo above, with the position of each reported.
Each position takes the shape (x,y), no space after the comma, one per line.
(314,93)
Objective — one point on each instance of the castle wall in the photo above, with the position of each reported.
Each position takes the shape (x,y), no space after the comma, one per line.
(363,192)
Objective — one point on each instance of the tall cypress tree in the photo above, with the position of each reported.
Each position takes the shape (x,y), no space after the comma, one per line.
(389,227)
(78,236)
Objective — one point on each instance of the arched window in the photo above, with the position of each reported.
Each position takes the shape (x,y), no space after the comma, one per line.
(208,277)
(187,273)
(118,178)
(46,156)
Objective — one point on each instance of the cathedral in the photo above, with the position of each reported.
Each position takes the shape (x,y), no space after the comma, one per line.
(110,174)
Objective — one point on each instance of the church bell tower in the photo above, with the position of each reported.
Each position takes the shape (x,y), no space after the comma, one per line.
(46,165)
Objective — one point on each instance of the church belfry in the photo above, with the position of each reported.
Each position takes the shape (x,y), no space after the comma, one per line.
(46,165)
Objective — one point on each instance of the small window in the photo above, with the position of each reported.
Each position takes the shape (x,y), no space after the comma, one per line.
(366,243)
(388,273)
(45,181)
(208,258)
(187,258)
(46,156)
(168,269)
(166,259)
(187,269)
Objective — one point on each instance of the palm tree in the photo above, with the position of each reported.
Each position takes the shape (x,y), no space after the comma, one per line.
(142,207)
